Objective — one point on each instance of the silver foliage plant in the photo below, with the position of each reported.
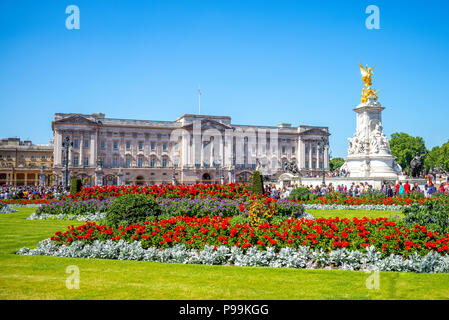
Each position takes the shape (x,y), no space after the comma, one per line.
(31,205)
(380,207)
(7,209)
(87,217)
(303,257)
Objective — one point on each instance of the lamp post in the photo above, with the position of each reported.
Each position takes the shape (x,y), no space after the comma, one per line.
(66,145)
(173,178)
(220,174)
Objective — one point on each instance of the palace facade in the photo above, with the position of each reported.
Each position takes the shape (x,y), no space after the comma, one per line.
(24,163)
(191,149)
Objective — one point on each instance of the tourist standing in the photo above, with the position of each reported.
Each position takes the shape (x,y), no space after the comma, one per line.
(406,187)
(390,191)
(431,189)
(401,188)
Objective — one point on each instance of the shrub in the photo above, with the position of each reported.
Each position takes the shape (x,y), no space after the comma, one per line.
(76,186)
(132,208)
(257,186)
(434,215)
(301,194)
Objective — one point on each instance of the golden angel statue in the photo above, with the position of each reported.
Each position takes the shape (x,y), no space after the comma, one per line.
(367,73)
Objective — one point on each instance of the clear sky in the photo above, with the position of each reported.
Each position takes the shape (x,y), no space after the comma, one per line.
(260,62)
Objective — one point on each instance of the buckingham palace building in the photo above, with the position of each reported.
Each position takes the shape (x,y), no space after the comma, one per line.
(191,149)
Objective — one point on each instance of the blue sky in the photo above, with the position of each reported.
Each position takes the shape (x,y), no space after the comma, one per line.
(260,62)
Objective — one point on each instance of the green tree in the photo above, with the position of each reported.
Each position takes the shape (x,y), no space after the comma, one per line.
(432,159)
(438,156)
(257,186)
(404,147)
(336,163)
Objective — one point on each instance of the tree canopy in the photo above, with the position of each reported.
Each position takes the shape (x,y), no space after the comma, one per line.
(438,156)
(336,163)
(404,147)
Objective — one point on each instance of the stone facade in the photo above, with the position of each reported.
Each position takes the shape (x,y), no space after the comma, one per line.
(24,163)
(191,149)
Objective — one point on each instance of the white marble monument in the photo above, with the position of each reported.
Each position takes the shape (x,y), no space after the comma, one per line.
(369,153)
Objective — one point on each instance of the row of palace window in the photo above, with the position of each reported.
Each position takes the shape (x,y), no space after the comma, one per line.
(307,150)
(115,145)
(264,149)
(76,143)
(140,145)
(32,157)
(314,165)
(115,162)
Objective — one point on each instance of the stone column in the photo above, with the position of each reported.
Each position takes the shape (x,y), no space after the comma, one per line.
(42,177)
(93,149)
(57,148)
(184,151)
(301,156)
(212,150)
(228,148)
(326,157)
(202,154)
(222,152)
(318,157)
(81,147)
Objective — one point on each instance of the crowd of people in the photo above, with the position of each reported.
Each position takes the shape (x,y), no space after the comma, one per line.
(356,190)
(31,192)
(330,174)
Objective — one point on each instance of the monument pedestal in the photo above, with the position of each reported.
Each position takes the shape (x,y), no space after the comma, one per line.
(372,166)
(369,153)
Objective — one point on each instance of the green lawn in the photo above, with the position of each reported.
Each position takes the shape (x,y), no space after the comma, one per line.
(35,277)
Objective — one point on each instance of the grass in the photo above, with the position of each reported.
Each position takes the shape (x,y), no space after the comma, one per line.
(36,277)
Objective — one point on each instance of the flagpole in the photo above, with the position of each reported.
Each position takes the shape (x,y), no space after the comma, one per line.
(199,100)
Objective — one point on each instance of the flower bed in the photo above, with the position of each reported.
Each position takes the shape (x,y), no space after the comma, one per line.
(378,207)
(82,209)
(390,201)
(71,207)
(303,257)
(26,202)
(222,191)
(325,234)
